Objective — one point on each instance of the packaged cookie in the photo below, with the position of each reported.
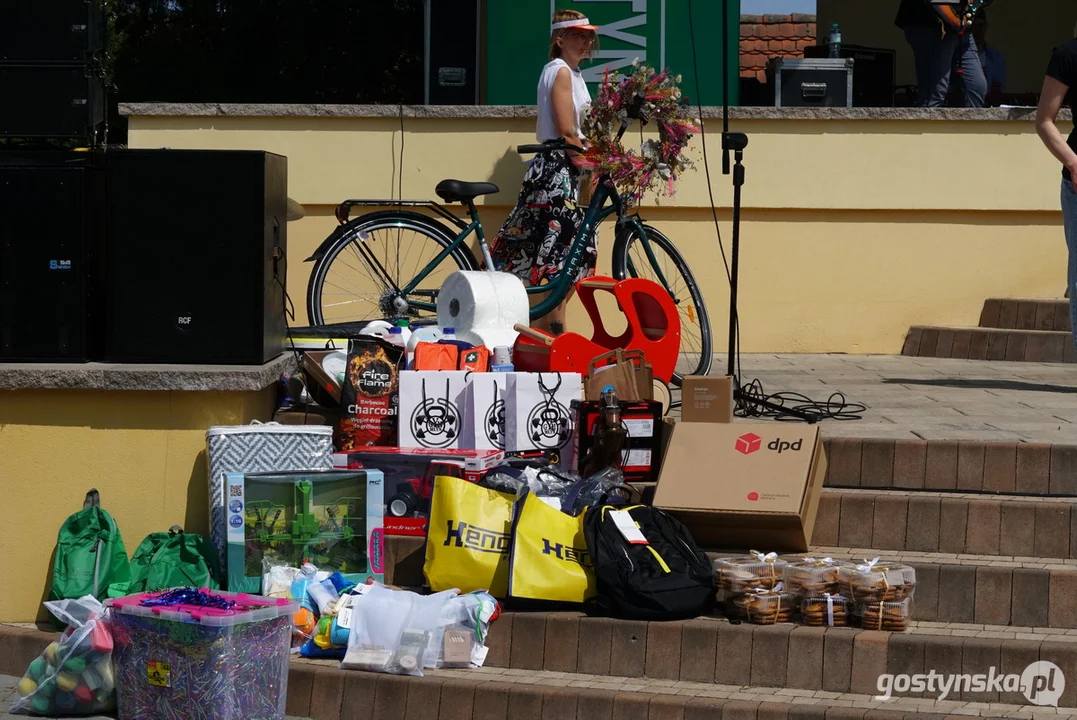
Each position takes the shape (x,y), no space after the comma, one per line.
(746,573)
(889,616)
(828,610)
(875,581)
(763,606)
(813,576)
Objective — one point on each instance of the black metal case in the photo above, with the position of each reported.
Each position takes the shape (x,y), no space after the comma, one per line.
(823,82)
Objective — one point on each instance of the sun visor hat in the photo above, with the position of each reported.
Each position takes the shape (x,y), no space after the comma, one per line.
(578,24)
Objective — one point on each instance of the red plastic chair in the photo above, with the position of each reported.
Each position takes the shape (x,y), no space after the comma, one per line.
(653,326)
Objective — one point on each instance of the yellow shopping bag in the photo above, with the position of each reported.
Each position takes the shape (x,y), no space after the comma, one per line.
(468,538)
(549,559)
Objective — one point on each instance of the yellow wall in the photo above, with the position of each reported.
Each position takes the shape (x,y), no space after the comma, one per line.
(853,229)
(1024,31)
(143,451)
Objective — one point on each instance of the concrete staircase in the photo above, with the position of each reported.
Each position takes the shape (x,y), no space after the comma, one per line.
(1030,330)
(991,529)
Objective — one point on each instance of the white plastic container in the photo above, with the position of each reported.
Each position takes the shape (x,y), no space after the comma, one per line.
(377,328)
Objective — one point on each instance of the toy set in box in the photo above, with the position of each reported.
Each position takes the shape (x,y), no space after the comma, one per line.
(409,478)
(642,451)
(188,653)
(331,519)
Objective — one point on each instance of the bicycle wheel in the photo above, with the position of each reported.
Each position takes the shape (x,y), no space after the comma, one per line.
(630,259)
(362,276)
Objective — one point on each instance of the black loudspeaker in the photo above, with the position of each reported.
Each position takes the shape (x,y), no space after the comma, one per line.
(52,31)
(195,256)
(50,100)
(874,73)
(452,52)
(49,221)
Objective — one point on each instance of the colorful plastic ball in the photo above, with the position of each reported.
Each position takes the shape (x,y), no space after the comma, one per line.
(37,668)
(83,694)
(50,653)
(75,665)
(26,686)
(67,682)
(95,657)
(104,669)
(65,700)
(41,704)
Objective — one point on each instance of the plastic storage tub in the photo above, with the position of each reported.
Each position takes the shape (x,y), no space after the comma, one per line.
(192,661)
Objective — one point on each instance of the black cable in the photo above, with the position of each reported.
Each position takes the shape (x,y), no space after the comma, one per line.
(750,397)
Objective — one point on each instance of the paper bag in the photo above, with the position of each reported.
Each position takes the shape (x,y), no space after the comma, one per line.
(537,414)
(431,408)
(629,373)
(484,412)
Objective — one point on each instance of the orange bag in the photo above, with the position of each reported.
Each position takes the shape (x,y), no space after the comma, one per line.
(476,359)
(436,356)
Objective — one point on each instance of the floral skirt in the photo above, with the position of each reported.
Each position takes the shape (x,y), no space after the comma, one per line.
(533,243)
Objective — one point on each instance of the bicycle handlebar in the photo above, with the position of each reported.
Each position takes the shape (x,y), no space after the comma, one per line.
(547,146)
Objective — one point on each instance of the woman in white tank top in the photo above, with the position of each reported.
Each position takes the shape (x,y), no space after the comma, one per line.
(535,239)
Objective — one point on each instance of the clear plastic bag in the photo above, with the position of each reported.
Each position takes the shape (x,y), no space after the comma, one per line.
(73,676)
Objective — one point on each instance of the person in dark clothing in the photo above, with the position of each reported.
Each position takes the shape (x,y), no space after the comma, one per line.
(1059,87)
(936,50)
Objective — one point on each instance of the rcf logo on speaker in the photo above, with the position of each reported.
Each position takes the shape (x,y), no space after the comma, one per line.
(750,443)
(59,264)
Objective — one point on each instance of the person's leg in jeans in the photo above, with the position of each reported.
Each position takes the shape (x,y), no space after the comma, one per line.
(972,71)
(1069,220)
(922,43)
(942,64)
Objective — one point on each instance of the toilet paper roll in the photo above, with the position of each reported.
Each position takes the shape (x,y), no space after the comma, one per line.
(483,307)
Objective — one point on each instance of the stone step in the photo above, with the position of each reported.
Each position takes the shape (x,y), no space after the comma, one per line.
(705,669)
(1026,314)
(325,692)
(1013,591)
(1051,346)
(947,522)
(959,465)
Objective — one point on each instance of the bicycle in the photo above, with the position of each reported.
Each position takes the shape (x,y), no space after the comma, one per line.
(635,250)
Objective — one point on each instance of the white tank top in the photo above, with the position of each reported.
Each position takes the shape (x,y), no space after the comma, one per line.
(581,99)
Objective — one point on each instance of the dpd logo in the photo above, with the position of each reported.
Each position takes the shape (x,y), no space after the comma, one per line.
(748,444)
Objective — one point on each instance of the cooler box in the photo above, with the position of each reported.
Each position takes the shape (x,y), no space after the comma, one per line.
(192,661)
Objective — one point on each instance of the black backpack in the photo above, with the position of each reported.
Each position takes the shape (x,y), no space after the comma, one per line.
(668,579)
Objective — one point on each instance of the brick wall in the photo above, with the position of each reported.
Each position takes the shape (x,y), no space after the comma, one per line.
(766,36)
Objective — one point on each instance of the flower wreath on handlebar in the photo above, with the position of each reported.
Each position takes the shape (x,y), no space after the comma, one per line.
(645,96)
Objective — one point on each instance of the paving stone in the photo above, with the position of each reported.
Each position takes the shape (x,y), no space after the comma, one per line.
(869,661)
(994,588)
(1027,607)
(941,469)
(770,653)
(1062,599)
(1017,529)
(970,465)
(667,707)
(491,701)
(631,706)
(702,708)
(890,521)
(628,649)
(499,641)
(733,663)
(957,593)
(943,654)
(1052,530)
(558,703)
(910,463)
(926,605)
(989,314)
(804,668)
(525,702)
(843,462)
(1015,656)
(528,640)
(699,643)
(390,697)
(962,344)
(905,656)
(982,534)
(772,711)
(595,646)
(1033,468)
(740,710)
(1063,470)
(978,656)
(838,659)
(664,650)
(300,684)
(953,525)
(827,518)
(877,463)
(922,532)
(1064,655)
(424,701)
(592,705)
(327,694)
(857,520)
(360,689)
(562,642)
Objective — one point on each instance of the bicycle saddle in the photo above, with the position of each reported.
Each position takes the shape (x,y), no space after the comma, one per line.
(459,191)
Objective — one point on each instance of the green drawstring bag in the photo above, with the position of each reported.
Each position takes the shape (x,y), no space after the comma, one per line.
(174,559)
(90,556)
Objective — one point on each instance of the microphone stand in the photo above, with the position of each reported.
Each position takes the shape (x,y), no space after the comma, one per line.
(737,142)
